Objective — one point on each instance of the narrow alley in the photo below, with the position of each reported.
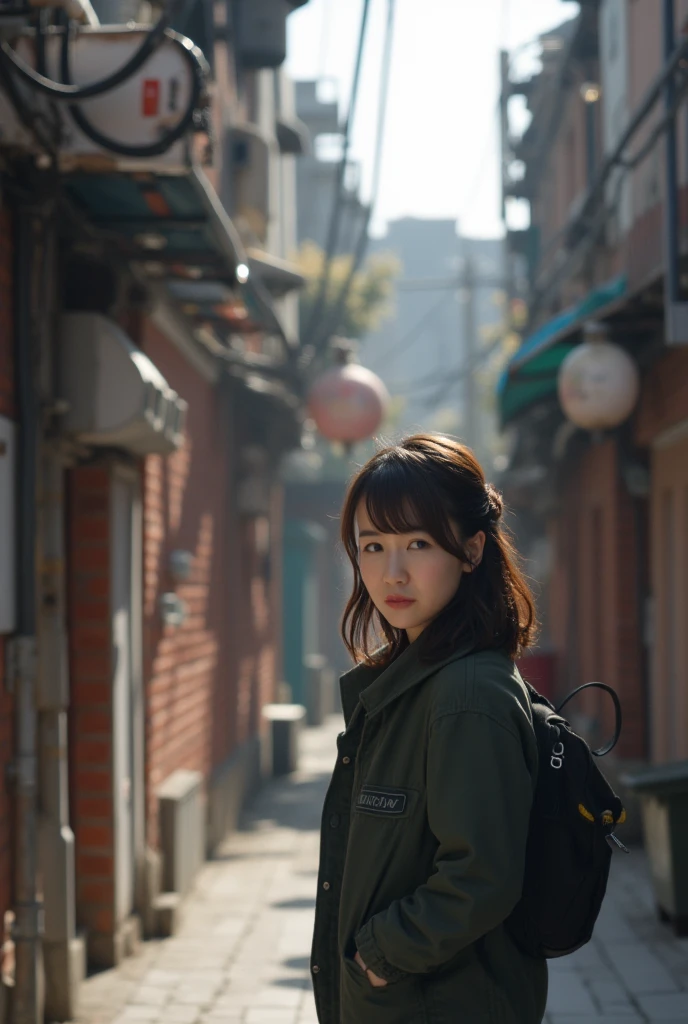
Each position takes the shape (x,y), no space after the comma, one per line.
(242,952)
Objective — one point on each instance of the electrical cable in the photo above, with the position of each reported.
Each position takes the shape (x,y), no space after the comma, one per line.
(413,334)
(338,205)
(465,371)
(333,320)
(45,134)
(199,73)
(74,93)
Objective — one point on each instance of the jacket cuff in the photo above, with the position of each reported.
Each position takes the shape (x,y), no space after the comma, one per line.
(373,958)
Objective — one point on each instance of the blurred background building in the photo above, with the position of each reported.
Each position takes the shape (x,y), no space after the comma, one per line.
(602,169)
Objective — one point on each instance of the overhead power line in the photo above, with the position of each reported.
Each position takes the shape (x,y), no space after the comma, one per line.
(333,320)
(339,196)
(411,336)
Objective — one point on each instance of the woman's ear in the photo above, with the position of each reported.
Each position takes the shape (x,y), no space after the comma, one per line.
(474,548)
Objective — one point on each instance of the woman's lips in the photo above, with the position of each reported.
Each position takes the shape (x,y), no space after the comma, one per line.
(399,602)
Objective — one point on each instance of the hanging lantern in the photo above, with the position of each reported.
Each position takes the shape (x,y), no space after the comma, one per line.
(598,382)
(347,402)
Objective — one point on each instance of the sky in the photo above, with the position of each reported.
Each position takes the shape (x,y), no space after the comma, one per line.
(441,155)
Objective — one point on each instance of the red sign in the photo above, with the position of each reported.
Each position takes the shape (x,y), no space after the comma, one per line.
(151,97)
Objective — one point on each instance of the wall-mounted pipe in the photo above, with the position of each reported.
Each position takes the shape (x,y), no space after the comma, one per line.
(27,906)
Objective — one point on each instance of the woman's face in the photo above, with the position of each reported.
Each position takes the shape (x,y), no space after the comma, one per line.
(408,576)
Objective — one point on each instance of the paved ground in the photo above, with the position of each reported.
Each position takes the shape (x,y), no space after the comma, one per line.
(242,952)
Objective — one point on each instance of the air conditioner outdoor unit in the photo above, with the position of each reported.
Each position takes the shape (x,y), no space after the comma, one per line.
(249,160)
(137,112)
(115,396)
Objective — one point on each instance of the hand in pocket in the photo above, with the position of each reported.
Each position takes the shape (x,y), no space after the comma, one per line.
(372,978)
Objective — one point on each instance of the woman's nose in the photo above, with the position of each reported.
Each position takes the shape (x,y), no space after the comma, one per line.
(395,571)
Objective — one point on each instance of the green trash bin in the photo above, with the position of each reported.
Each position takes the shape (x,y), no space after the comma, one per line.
(663,793)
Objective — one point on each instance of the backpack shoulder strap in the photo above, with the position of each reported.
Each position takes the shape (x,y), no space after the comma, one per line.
(617,707)
(537,698)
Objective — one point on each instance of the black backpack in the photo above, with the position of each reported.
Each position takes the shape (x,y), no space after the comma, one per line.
(571,836)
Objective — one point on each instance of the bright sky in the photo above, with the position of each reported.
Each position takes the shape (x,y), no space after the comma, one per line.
(442,139)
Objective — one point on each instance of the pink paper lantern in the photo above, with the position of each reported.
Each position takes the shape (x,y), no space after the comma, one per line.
(348,403)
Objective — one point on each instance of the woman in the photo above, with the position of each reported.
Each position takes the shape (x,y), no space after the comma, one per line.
(426,819)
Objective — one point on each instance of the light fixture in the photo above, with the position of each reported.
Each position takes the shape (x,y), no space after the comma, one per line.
(173,610)
(598,382)
(181,565)
(590,92)
(151,240)
(242,272)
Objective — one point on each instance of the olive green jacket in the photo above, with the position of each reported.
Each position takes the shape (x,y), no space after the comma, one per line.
(423,847)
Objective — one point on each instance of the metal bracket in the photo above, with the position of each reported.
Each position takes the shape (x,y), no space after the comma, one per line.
(676,323)
(21,659)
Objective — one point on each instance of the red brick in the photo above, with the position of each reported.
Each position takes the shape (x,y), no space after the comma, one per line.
(94,865)
(103,920)
(89,721)
(96,893)
(91,664)
(94,837)
(90,751)
(91,558)
(91,638)
(93,807)
(92,780)
(93,528)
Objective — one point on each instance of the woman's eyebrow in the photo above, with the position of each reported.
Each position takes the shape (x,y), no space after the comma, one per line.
(368,533)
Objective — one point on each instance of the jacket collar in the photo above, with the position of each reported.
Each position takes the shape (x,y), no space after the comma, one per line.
(375,688)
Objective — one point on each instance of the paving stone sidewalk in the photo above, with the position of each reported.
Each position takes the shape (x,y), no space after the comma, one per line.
(242,952)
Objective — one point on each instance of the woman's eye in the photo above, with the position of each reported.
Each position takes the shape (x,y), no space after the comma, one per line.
(419,544)
(372,548)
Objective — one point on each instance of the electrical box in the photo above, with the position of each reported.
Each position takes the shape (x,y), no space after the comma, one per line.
(261,32)
(8,540)
(136,113)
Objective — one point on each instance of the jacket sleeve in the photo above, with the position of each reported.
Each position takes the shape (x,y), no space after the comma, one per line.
(480,793)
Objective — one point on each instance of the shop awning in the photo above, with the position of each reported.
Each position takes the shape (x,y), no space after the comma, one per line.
(176,228)
(531,373)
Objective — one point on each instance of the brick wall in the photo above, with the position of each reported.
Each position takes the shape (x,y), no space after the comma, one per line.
(664,398)
(205,680)
(7,408)
(90,725)
(594,594)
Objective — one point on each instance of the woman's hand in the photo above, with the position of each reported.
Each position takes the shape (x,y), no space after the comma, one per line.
(372,978)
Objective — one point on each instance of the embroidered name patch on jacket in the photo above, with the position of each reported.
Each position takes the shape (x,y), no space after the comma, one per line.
(380,800)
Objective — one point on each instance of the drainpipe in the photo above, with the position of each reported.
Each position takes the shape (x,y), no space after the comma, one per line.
(63,951)
(27,1008)
(675,307)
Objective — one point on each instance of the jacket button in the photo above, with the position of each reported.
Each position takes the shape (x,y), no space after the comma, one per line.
(346,760)
(326,886)
(334,821)
(315,969)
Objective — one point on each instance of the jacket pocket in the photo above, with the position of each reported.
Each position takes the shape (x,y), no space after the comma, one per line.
(398,1003)
(466,992)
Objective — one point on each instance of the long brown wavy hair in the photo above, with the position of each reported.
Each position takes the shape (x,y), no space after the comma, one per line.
(434,483)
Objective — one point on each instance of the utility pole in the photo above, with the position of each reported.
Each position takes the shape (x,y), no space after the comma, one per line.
(471,411)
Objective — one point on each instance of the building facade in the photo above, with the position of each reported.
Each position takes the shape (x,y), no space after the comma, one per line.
(149,388)
(606,191)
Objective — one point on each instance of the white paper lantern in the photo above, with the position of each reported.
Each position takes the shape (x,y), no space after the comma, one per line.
(598,385)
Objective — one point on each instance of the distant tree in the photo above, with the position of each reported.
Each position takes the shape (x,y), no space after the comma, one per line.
(369,299)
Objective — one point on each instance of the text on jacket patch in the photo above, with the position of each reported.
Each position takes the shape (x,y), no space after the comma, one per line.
(376,800)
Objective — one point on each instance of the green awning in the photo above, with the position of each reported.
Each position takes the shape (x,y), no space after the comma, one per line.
(531,373)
